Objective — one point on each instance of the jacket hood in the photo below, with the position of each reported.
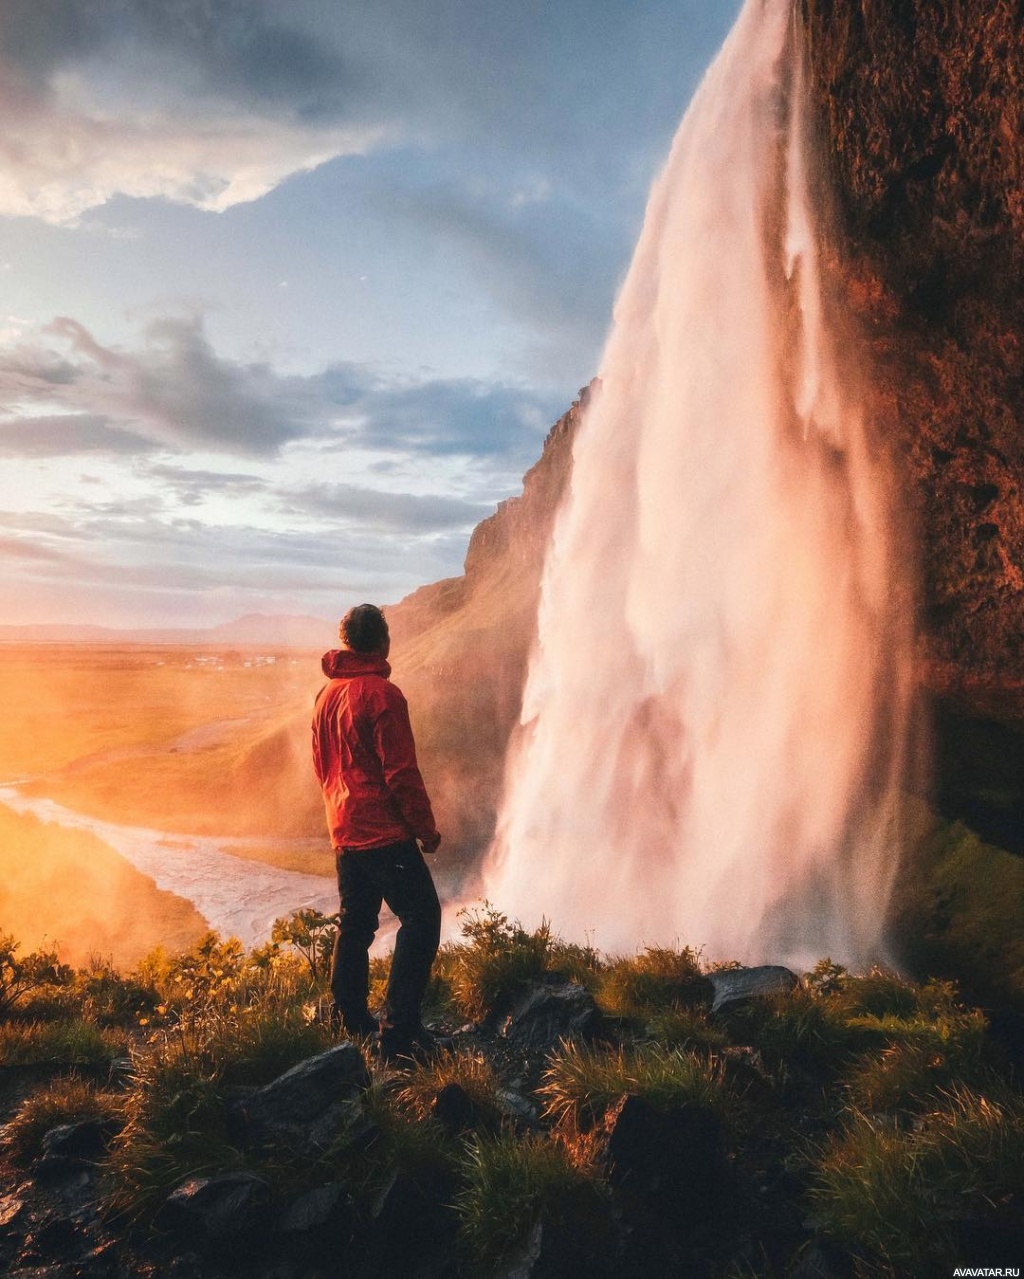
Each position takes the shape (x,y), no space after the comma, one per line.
(344,663)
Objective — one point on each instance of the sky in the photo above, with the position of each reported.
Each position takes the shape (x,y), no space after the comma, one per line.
(291,291)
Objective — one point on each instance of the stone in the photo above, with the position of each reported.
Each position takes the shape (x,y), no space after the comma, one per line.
(412,1224)
(673,1159)
(732,985)
(310,1106)
(227,1209)
(550,1014)
(453,1108)
(323,1216)
(70,1145)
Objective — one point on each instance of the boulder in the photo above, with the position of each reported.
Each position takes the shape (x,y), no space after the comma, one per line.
(71,1145)
(412,1225)
(732,985)
(453,1108)
(310,1106)
(550,1014)
(223,1210)
(671,1159)
(322,1218)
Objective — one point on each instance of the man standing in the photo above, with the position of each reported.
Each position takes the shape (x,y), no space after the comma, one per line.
(379,817)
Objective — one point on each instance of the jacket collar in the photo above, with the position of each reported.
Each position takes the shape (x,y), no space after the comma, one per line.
(344,663)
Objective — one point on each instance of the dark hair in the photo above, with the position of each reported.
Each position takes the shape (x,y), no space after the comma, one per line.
(364,628)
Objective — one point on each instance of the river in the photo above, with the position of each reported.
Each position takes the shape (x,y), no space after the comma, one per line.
(237,896)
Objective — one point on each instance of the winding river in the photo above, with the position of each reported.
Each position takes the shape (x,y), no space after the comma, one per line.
(237,896)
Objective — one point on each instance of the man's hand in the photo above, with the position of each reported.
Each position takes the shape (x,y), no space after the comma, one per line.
(429,843)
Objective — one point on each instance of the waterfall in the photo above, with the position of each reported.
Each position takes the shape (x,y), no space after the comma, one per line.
(716,716)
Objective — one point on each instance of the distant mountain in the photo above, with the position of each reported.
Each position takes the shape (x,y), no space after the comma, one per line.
(255,630)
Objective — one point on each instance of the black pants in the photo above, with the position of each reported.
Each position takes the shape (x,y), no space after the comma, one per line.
(398,875)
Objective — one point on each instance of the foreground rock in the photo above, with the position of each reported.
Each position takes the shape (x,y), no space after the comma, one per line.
(310,1106)
(736,985)
(553,1013)
(225,1211)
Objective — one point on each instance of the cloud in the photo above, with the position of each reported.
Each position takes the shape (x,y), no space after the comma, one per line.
(381,511)
(65,392)
(66,434)
(205,104)
(441,417)
(174,391)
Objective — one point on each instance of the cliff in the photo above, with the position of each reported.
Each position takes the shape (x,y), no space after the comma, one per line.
(461,647)
(921,110)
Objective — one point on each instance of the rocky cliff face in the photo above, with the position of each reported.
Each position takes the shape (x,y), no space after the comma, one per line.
(461,646)
(921,108)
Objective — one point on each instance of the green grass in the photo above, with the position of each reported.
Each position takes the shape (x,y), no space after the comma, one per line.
(64,1101)
(656,980)
(901,1191)
(72,1042)
(470,1071)
(512,1183)
(581,1082)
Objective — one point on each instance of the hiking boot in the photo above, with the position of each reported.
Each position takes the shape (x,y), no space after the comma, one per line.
(354,1027)
(418,1045)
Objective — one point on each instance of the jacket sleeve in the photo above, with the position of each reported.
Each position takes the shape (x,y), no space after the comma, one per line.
(396,750)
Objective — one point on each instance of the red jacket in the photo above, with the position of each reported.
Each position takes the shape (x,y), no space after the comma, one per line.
(365,758)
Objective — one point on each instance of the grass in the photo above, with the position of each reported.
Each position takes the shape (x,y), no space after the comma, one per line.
(886,1097)
(64,1101)
(582,1082)
(655,980)
(471,1072)
(72,1042)
(902,1192)
(511,1184)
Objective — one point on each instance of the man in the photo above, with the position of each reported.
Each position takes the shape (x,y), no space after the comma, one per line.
(379,817)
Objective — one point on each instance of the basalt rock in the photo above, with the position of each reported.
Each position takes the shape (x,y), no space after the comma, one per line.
(736,985)
(309,1106)
(553,1013)
(230,1210)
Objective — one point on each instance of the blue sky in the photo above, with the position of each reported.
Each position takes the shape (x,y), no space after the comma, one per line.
(290,292)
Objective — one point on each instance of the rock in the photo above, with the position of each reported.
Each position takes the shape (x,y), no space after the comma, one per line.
(515,1106)
(70,1145)
(322,1217)
(550,1014)
(734,984)
(309,1106)
(672,1158)
(412,1225)
(12,1212)
(228,1209)
(453,1108)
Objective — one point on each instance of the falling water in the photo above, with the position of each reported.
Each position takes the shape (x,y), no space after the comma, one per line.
(716,715)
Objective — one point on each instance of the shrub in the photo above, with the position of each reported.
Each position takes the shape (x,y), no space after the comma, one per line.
(497,963)
(64,1101)
(656,980)
(514,1182)
(71,1042)
(581,1082)
(311,933)
(472,1072)
(110,999)
(20,976)
(902,1192)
